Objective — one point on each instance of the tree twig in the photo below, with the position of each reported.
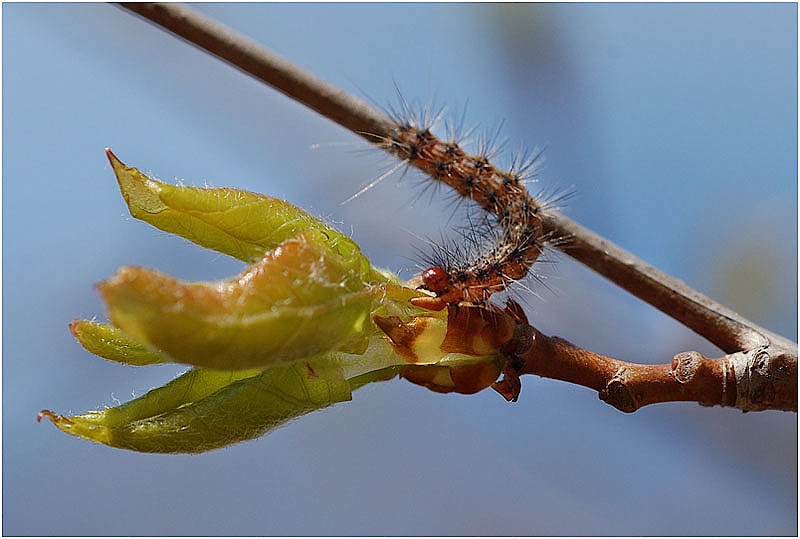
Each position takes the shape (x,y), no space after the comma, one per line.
(728,330)
(721,326)
(750,380)
(246,55)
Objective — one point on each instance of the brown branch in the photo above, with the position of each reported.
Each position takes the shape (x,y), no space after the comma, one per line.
(749,381)
(246,55)
(723,327)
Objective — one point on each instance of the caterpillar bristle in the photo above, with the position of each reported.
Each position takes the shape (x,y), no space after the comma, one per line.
(527,163)
(490,252)
(475,177)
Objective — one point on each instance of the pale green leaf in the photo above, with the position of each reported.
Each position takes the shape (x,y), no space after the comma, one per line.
(298,301)
(205,409)
(112,343)
(239,223)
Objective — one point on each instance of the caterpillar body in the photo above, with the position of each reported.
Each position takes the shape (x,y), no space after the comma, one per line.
(520,239)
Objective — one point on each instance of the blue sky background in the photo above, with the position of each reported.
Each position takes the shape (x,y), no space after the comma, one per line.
(675,125)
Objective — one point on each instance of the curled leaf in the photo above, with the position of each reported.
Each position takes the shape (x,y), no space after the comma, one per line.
(298,301)
(112,343)
(205,409)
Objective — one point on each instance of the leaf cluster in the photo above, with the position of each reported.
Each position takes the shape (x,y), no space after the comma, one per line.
(292,333)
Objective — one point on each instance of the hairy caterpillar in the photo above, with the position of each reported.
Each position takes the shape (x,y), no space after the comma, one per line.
(520,239)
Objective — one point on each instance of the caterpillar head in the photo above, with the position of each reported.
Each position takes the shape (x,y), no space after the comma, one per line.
(436,280)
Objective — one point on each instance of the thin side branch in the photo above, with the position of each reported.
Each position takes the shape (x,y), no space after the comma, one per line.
(721,326)
(728,330)
(246,55)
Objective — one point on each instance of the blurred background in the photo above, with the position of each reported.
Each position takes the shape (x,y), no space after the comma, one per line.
(674,124)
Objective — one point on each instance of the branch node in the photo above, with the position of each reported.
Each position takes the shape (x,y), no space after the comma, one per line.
(685,366)
(618,394)
(521,344)
(764,380)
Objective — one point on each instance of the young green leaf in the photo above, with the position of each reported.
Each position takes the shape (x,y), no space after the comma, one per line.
(205,409)
(239,223)
(112,343)
(300,300)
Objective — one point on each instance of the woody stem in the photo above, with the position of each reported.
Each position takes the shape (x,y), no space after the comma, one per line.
(749,381)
